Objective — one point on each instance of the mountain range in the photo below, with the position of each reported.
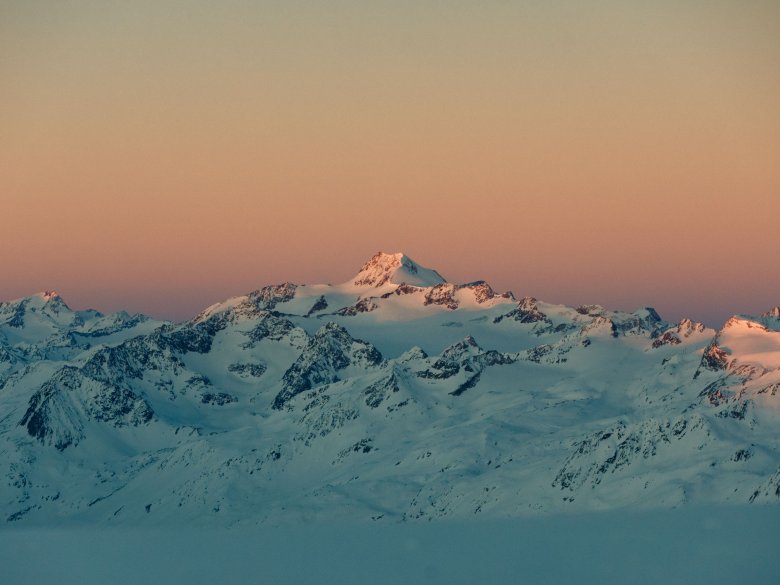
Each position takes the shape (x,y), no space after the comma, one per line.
(394,396)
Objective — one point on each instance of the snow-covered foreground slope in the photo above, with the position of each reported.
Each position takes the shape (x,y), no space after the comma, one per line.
(686,546)
(393,396)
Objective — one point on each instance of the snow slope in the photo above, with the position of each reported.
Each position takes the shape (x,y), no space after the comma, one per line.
(687,546)
(396,396)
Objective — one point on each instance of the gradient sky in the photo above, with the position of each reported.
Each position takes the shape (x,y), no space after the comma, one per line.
(159,156)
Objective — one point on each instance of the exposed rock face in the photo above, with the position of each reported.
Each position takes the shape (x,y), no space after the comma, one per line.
(269,296)
(742,364)
(13,314)
(259,409)
(377,392)
(119,322)
(645,321)
(405,289)
(442,294)
(248,370)
(667,338)
(320,305)
(46,307)
(467,358)
(380,268)
(600,325)
(483,292)
(362,306)
(715,358)
(271,327)
(769,491)
(592,310)
(397,268)
(196,336)
(674,336)
(329,351)
(51,417)
(53,414)
(527,311)
(218,398)
(600,455)
(774,313)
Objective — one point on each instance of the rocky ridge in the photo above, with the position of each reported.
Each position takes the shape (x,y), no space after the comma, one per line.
(396,396)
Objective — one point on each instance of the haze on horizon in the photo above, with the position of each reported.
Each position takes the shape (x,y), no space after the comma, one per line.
(159,157)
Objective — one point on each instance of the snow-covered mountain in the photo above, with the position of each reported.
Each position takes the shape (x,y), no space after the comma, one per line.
(395,396)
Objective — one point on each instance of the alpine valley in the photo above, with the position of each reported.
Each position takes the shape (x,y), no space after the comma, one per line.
(396,396)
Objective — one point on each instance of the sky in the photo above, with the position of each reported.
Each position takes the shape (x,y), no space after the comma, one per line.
(159,156)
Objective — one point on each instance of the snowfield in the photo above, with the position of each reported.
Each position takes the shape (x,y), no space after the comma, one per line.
(394,398)
(687,546)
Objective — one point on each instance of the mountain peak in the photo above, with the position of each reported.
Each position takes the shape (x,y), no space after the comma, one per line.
(48,295)
(397,268)
(773,312)
(51,300)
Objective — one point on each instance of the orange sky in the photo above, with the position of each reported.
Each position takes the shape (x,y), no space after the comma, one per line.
(160,156)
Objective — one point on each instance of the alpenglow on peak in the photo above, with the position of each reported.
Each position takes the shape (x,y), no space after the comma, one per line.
(396,268)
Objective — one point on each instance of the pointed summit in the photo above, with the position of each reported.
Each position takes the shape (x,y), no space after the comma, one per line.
(51,300)
(396,268)
(49,296)
(38,298)
(773,312)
